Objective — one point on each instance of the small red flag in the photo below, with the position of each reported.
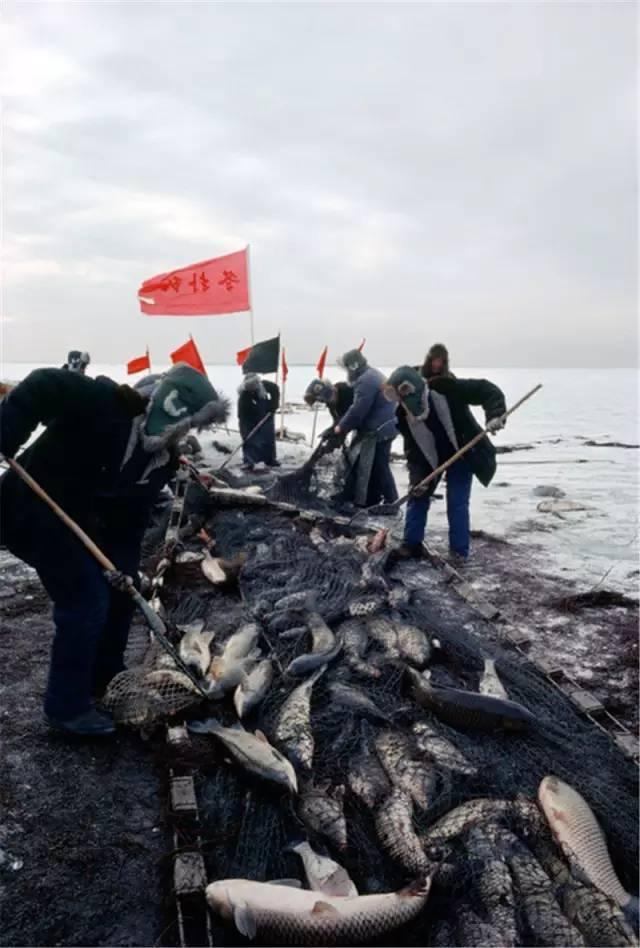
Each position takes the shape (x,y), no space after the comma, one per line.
(139,365)
(361,346)
(189,353)
(285,367)
(322,361)
(243,355)
(209,288)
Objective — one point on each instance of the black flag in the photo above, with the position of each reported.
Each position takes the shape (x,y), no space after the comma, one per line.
(263,357)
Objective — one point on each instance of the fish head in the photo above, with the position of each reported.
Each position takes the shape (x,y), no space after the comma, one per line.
(221,896)
(556,799)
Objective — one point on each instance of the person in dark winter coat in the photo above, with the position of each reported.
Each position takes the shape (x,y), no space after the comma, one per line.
(106,453)
(338,397)
(369,479)
(258,399)
(435,421)
(436,362)
(77,361)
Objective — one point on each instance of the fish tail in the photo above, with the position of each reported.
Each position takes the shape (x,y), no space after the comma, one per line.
(631,912)
(418,887)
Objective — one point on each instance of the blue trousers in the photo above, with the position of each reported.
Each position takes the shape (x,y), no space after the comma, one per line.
(91,619)
(459,478)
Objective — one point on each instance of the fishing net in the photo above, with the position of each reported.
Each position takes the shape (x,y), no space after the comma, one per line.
(468,804)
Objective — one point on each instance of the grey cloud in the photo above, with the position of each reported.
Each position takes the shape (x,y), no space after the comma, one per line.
(402,171)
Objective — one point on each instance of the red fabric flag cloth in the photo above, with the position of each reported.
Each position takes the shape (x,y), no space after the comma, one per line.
(285,367)
(322,361)
(209,288)
(138,365)
(361,346)
(242,356)
(189,353)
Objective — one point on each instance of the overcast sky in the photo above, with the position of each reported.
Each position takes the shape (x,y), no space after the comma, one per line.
(411,173)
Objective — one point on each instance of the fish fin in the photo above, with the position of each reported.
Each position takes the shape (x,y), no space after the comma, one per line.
(261,736)
(419,886)
(631,912)
(244,920)
(292,883)
(322,908)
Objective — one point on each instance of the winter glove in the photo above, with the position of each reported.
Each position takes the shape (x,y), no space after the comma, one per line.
(495,424)
(118,581)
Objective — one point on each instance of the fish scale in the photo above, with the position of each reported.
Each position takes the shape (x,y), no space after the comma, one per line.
(394,826)
(413,776)
(283,916)
(576,830)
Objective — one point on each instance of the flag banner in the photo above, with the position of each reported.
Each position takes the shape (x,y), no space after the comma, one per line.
(139,365)
(361,346)
(241,357)
(285,367)
(189,353)
(263,357)
(322,361)
(210,288)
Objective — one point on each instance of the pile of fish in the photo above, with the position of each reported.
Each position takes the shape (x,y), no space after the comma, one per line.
(405,769)
(539,873)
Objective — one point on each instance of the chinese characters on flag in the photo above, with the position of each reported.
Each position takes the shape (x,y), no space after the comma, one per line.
(189,353)
(209,288)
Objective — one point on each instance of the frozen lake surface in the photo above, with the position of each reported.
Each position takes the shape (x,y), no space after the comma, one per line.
(597,543)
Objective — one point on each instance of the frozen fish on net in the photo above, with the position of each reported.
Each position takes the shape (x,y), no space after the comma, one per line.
(395,830)
(323,873)
(252,751)
(418,779)
(355,641)
(281,915)
(293,726)
(323,813)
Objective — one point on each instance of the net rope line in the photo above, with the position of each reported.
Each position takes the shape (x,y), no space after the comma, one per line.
(258,854)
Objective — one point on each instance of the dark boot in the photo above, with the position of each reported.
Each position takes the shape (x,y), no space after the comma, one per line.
(90,723)
(409,551)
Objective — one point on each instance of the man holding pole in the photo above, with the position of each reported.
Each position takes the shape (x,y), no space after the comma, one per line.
(435,421)
(258,402)
(104,456)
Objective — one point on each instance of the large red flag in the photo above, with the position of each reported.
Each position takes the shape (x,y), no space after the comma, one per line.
(189,353)
(285,367)
(322,361)
(139,365)
(209,288)
(243,355)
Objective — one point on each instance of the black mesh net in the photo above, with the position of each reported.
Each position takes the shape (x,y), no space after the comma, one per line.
(390,790)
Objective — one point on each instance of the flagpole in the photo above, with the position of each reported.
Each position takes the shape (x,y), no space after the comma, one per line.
(278,369)
(315,422)
(148,361)
(250,297)
(284,391)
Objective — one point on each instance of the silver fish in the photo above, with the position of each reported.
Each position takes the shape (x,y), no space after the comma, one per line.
(294,601)
(431,741)
(194,647)
(354,642)
(253,688)
(323,873)
(252,751)
(456,822)
(384,633)
(295,632)
(490,683)
(577,832)
(350,697)
(412,643)
(324,649)
(366,605)
(280,915)
(398,838)
(293,727)
(238,655)
(536,896)
(324,814)
(365,776)
(467,709)
(396,755)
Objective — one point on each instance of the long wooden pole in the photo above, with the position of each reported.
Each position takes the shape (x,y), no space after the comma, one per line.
(242,443)
(282,400)
(315,422)
(154,620)
(463,450)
